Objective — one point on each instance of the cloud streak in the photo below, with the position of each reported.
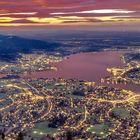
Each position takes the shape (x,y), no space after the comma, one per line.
(101,11)
(24,13)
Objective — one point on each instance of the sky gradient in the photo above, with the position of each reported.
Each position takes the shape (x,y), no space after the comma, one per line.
(15,13)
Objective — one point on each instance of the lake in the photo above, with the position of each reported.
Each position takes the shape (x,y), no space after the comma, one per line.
(86,66)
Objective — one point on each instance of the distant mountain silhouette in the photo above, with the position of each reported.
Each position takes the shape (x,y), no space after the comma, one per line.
(11,46)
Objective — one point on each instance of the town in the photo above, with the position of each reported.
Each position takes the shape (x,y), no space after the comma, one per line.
(27,63)
(129,73)
(54,108)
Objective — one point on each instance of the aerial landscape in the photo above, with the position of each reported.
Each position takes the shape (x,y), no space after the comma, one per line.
(70,70)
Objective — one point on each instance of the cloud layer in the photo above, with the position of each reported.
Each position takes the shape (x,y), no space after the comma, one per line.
(69,12)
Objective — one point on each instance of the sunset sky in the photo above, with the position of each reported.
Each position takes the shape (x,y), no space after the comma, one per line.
(69,12)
